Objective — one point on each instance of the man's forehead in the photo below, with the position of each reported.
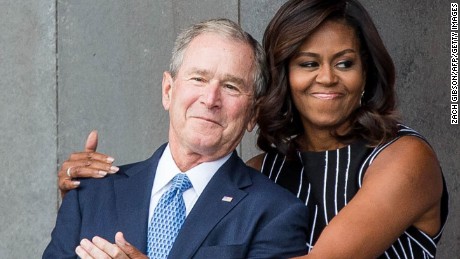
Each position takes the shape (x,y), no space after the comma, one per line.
(198,60)
(213,38)
(212,34)
(202,47)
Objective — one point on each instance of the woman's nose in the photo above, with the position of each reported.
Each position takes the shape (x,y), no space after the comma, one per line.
(326,75)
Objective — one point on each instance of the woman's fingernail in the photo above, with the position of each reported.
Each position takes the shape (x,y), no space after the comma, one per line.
(102,173)
(76,183)
(110,159)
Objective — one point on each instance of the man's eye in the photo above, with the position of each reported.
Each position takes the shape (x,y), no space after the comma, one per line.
(232,90)
(231,87)
(198,79)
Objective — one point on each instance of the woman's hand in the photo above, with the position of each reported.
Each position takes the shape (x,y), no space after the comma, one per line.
(85,164)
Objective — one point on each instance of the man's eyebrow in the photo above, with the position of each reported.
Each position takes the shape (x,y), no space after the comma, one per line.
(198,71)
(226,77)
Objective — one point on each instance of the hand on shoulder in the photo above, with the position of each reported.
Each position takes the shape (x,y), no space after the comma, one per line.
(85,164)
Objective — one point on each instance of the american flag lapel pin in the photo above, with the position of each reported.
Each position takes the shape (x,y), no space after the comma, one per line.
(227,199)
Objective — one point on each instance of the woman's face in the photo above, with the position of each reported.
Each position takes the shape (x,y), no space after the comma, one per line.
(326,76)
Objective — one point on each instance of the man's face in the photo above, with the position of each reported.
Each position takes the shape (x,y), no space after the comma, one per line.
(210,101)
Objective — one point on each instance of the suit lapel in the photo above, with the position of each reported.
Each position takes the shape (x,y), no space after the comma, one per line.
(210,208)
(132,195)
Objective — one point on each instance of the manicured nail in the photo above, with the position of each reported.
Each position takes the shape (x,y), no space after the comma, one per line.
(76,183)
(114,169)
(102,173)
(110,159)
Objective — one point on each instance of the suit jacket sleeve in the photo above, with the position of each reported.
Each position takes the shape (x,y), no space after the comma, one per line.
(284,236)
(66,234)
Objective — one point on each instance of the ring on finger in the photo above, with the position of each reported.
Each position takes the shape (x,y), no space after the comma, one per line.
(68,172)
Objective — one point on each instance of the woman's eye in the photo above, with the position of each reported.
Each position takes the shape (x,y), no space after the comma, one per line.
(309,64)
(345,64)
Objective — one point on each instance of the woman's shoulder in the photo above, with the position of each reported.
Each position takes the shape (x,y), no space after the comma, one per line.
(404,130)
(405,137)
(407,168)
(408,149)
(409,146)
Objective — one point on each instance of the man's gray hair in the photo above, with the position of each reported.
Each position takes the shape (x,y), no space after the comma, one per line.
(232,31)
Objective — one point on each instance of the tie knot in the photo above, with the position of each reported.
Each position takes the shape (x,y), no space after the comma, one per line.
(181,182)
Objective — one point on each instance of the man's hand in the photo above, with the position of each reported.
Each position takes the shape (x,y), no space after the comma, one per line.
(85,164)
(101,248)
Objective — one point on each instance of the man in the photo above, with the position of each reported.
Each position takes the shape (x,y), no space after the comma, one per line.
(232,211)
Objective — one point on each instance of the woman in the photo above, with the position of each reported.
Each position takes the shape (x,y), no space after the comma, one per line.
(330,134)
(328,126)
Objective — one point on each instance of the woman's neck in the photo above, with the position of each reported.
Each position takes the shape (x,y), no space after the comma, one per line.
(319,139)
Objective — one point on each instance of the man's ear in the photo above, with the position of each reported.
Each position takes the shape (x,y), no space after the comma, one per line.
(166,89)
(253,121)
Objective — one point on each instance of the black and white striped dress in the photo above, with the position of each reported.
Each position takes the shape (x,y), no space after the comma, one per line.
(327,181)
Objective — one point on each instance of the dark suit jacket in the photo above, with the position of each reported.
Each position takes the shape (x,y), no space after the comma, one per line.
(263,220)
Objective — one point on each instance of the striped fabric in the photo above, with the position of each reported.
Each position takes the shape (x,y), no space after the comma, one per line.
(327,181)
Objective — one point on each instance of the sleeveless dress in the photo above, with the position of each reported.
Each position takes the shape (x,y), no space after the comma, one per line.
(327,181)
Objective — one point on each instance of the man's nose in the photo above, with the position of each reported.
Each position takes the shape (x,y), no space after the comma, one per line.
(211,96)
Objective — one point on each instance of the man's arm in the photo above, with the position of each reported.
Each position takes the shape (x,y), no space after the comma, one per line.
(284,236)
(66,234)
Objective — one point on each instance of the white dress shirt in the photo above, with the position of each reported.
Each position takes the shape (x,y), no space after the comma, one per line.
(199,176)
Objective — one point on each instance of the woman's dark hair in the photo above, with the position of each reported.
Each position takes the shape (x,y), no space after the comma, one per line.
(279,120)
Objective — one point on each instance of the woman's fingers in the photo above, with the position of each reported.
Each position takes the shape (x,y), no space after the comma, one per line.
(84,165)
(91,156)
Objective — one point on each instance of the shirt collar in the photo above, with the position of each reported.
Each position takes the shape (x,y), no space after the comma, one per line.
(199,175)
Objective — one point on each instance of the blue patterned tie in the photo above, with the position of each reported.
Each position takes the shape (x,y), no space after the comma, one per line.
(167,219)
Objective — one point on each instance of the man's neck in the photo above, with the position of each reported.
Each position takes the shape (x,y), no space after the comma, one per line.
(186,159)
